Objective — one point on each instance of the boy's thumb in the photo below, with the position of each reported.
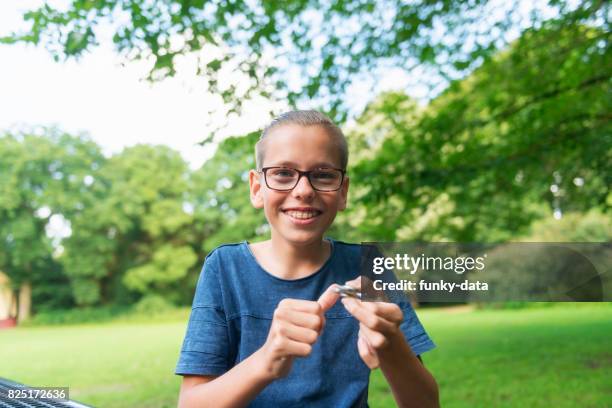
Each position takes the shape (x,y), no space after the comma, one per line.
(329,298)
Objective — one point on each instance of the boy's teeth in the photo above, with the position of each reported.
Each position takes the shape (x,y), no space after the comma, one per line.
(301,214)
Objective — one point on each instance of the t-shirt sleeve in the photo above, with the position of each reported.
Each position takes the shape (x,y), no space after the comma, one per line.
(205,349)
(413,330)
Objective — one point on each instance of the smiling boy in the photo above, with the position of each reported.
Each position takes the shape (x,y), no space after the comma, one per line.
(266,328)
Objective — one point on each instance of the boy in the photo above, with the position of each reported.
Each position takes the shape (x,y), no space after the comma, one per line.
(266,328)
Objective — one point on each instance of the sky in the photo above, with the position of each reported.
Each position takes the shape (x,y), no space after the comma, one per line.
(110,102)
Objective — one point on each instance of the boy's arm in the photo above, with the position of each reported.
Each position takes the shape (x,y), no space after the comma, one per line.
(235,388)
(382,343)
(295,327)
(411,383)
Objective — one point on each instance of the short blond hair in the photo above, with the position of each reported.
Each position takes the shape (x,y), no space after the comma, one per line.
(304,118)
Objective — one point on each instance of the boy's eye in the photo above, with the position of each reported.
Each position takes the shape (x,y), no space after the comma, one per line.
(283,173)
(325,175)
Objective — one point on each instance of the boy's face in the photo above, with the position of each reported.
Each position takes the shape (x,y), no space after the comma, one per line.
(302,215)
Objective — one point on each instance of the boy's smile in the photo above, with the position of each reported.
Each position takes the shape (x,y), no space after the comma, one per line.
(303,214)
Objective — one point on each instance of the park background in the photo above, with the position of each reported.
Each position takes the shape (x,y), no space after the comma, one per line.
(467,121)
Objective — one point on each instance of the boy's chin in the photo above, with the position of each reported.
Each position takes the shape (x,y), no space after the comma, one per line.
(302,238)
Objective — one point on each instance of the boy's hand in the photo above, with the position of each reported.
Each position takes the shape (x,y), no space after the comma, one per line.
(296,326)
(378,325)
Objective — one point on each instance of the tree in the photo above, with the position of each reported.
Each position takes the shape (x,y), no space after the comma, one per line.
(328,44)
(222,207)
(530,129)
(133,237)
(566,259)
(134,224)
(41,179)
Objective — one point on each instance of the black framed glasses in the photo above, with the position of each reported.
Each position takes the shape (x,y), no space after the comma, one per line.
(286,178)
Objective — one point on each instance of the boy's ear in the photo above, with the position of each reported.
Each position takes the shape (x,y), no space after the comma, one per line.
(343,194)
(255,187)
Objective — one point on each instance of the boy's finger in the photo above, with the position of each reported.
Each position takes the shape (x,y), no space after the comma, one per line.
(301,334)
(368,355)
(356,283)
(329,298)
(307,320)
(301,305)
(389,311)
(296,348)
(375,339)
(366,316)
(367,289)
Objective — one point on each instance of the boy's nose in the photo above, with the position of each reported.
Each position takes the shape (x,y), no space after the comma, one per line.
(303,188)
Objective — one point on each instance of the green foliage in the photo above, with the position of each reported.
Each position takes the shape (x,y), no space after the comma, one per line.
(329,43)
(481,162)
(134,237)
(547,269)
(152,305)
(40,178)
(169,264)
(592,226)
(221,194)
(149,307)
(77,316)
(52,290)
(137,224)
(515,305)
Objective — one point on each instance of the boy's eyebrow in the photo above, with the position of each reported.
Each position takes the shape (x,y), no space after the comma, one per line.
(296,166)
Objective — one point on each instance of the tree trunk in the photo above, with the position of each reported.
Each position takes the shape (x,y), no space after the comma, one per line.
(25,302)
(13,306)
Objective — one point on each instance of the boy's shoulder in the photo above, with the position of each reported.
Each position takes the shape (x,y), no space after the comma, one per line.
(225,258)
(360,251)
(345,246)
(350,246)
(223,250)
(355,252)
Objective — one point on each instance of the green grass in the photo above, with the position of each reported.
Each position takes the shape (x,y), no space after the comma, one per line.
(558,356)
(545,357)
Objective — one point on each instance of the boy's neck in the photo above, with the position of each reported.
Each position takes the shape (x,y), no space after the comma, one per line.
(287,261)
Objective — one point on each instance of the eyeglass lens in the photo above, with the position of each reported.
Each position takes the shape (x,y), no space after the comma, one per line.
(320,179)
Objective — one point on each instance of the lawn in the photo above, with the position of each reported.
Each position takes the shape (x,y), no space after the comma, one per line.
(557,356)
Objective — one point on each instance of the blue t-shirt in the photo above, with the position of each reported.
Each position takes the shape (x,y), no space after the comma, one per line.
(232,312)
